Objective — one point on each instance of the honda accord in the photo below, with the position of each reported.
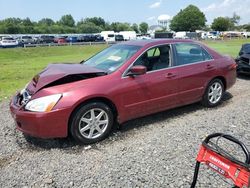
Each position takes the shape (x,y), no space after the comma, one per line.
(120,83)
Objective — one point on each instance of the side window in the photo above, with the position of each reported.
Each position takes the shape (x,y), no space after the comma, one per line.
(190,53)
(206,55)
(154,52)
(155,58)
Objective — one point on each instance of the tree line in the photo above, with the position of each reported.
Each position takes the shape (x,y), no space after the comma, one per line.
(66,24)
(189,19)
(192,18)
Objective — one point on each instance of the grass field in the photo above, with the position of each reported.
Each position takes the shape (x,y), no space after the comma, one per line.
(230,47)
(19,65)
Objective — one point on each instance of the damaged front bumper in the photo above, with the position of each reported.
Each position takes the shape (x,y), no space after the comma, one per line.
(52,124)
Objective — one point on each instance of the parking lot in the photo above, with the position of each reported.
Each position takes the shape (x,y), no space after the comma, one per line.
(155,151)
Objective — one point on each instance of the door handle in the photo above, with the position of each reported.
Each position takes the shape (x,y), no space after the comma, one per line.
(170,75)
(209,67)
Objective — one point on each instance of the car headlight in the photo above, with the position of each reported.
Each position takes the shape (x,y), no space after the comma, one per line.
(43,104)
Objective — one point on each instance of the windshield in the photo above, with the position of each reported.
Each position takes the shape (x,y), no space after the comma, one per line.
(112,58)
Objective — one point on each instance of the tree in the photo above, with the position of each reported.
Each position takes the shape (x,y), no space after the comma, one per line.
(135,27)
(14,21)
(11,26)
(118,26)
(246,27)
(143,27)
(46,22)
(235,19)
(12,29)
(67,20)
(88,27)
(189,19)
(98,21)
(221,24)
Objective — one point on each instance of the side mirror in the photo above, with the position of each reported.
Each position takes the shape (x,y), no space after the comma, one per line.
(137,70)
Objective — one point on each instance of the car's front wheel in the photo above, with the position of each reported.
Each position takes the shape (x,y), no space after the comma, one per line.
(91,122)
(214,93)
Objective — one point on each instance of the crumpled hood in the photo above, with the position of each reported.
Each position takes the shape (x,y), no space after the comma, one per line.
(55,72)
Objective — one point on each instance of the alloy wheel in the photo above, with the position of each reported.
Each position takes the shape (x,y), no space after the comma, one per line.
(93,123)
(215,93)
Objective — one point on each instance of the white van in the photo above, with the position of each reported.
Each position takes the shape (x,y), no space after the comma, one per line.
(128,35)
(108,36)
(181,35)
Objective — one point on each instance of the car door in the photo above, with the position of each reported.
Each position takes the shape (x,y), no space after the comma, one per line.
(195,68)
(151,92)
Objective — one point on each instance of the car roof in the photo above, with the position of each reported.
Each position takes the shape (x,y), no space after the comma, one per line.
(152,42)
(246,45)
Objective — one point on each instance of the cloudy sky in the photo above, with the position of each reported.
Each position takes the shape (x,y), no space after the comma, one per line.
(132,11)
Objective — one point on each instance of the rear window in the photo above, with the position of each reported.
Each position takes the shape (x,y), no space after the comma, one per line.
(8,38)
(111,35)
(26,37)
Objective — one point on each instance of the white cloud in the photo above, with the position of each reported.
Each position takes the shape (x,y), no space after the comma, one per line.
(151,18)
(156,4)
(227,8)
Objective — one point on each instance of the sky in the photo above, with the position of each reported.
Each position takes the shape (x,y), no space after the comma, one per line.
(131,11)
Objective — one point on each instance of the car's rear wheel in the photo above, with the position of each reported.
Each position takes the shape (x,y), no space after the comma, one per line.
(91,122)
(214,93)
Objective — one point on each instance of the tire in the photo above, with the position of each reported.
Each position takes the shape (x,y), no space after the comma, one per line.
(213,94)
(91,122)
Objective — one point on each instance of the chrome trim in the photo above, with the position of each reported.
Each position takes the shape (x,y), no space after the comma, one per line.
(124,75)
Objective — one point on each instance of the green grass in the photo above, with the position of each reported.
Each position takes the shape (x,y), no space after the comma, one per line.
(19,65)
(229,47)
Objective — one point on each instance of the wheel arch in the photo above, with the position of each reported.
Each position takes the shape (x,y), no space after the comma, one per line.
(222,79)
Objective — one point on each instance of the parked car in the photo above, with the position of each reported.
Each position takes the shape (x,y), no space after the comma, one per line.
(7,42)
(99,38)
(243,60)
(123,82)
(83,38)
(60,40)
(26,40)
(212,36)
(71,39)
(45,39)
(119,38)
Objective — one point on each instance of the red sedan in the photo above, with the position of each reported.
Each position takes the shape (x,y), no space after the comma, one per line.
(123,82)
(60,40)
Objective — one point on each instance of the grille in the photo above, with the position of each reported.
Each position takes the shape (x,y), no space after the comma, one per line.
(22,98)
(244,60)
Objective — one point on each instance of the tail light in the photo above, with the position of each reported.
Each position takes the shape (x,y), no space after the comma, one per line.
(232,66)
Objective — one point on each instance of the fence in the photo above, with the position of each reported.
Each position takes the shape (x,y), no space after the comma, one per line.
(67,44)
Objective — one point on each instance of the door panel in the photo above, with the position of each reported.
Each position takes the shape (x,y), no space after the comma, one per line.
(192,81)
(195,68)
(150,93)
